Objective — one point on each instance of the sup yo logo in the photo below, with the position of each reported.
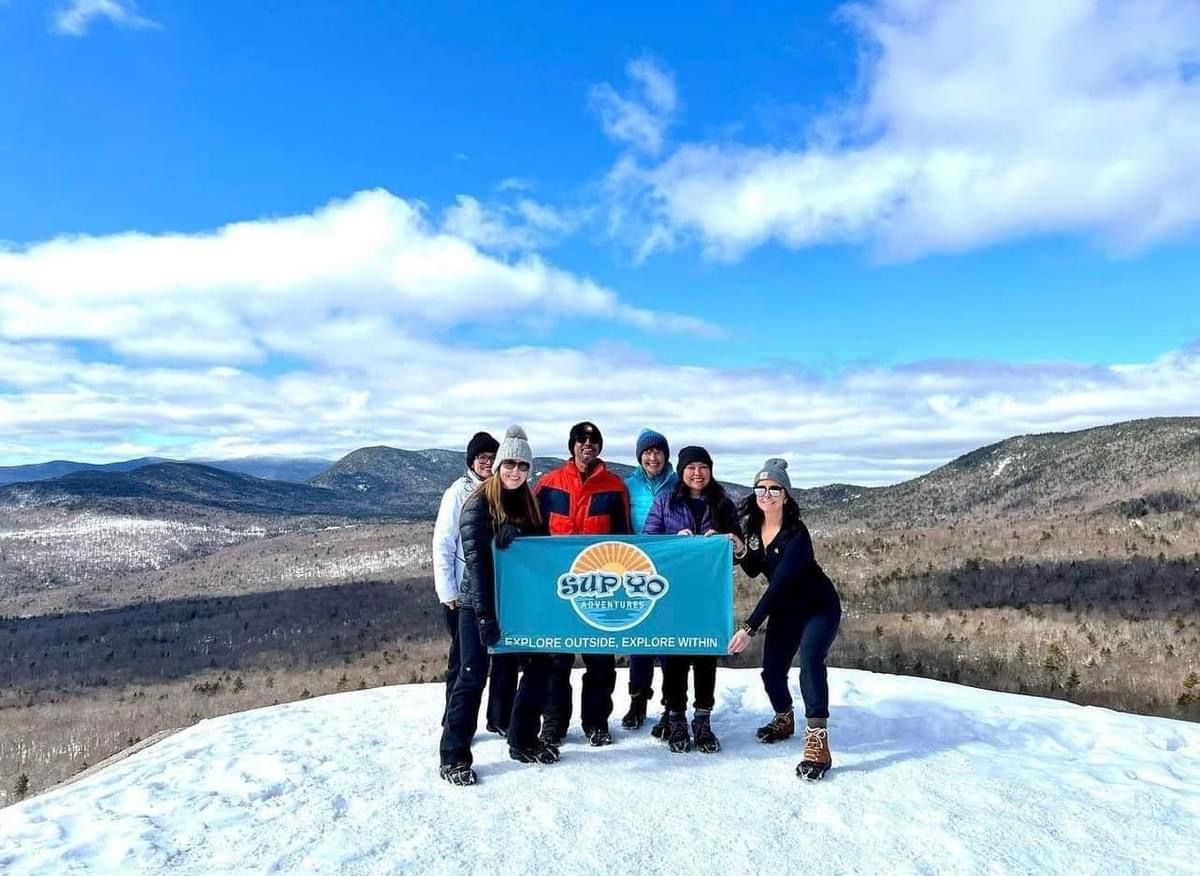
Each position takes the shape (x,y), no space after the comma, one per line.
(612,586)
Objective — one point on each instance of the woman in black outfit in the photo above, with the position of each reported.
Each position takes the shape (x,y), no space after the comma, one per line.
(502,508)
(804,612)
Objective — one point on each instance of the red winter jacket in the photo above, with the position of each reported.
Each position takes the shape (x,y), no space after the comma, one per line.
(573,506)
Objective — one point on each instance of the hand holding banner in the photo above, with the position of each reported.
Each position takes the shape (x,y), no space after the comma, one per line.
(642,594)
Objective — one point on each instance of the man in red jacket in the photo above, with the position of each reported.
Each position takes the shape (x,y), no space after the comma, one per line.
(583,498)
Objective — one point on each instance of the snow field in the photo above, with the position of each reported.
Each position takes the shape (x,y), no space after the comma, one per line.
(928,777)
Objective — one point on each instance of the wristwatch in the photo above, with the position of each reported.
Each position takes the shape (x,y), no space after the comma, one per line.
(749,630)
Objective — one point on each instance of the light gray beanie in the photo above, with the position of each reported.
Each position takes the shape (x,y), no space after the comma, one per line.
(774,469)
(514,446)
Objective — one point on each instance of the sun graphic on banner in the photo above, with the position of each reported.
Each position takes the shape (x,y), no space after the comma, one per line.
(612,586)
(615,557)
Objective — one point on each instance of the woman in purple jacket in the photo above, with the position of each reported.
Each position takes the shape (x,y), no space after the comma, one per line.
(697,506)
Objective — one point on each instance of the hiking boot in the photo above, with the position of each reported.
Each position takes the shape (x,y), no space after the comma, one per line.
(706,740)
(782,726)
(499,731)
(663,728)
(598,736)
(677,733)
(817,759)
(551,735)
(636,715)
(539,753)
(458,774)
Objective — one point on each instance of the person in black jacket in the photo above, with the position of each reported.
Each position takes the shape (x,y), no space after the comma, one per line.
(502,508)
(803,608)
(697,506)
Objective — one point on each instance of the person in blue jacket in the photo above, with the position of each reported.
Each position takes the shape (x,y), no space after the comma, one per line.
(801,607)
(653,475)
(698,506)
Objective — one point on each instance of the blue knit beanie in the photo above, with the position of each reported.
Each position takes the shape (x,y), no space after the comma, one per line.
(648,438)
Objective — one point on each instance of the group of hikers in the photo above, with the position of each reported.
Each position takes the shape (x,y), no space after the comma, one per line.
(529,694)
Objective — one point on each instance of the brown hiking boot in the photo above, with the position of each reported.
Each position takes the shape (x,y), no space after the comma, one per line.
(817,759)
(781,727)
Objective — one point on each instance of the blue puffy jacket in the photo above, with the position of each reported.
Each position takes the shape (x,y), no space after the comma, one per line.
(644,490)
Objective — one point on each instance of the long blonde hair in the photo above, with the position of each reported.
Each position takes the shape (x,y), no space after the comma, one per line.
(492,490)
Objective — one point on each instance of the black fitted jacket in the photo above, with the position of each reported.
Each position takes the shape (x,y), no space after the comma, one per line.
(797,585)
(478,529)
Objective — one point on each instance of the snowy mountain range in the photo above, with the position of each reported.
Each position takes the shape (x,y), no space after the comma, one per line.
(928,777)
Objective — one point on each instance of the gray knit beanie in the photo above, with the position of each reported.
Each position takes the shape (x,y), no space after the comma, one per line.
(774,469)
(514,446)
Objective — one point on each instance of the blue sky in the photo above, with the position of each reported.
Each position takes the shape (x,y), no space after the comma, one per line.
(829,232)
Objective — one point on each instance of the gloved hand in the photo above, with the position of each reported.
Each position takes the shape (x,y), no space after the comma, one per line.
(505,535)
(489,631)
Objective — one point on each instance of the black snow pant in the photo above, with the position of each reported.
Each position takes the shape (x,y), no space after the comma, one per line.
(675,680)
(641,674)
(452,658)
(502,689)
(462,712)
(811,636)
(599,681)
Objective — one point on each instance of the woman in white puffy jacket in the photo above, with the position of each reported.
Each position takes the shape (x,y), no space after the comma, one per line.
(447,544)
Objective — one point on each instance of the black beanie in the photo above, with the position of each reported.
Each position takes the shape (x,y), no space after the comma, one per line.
(690,454)
(581,429)
(481,442)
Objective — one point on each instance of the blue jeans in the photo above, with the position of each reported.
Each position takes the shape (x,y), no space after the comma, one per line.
(812,637)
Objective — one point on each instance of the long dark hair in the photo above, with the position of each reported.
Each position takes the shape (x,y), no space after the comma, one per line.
(753,515)
(714,494)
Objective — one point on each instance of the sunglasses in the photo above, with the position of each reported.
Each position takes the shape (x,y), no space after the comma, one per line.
(510,464)
(773,492)
(589,438)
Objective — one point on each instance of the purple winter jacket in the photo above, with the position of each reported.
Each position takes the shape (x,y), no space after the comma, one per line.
(671,513)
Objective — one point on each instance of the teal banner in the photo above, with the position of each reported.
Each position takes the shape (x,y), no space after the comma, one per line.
(637,594)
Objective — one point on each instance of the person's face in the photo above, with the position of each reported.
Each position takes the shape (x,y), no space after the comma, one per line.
(696,476)
(653,461)
(587,449)
(482,465)
(769,495)
(513,473)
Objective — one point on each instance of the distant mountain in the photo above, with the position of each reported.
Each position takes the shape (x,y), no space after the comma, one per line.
(279,468)
(40,471)
(1135,466)
(276,468)
(151,487)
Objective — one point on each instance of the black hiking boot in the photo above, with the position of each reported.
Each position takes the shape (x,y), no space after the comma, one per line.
(636,716)
(458,774)
(706,740)
(782,726)
(551,735)
(499,731)
(663,728)
(677,733)
(540,752)
(598,736)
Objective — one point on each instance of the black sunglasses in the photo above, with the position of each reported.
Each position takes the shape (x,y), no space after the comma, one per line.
(773,492)
(510,464)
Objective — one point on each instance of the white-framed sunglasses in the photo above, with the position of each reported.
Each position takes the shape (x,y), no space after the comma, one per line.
(773,492)
(510,464)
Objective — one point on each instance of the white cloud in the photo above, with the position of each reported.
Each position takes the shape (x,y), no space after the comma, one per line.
(75,18)
(640,119)
(870,425)
(242,292)
(978,122)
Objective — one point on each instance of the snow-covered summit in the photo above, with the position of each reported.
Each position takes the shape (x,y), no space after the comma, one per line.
(928,777)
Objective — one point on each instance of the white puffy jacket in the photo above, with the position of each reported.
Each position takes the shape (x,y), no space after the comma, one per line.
(447,544)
